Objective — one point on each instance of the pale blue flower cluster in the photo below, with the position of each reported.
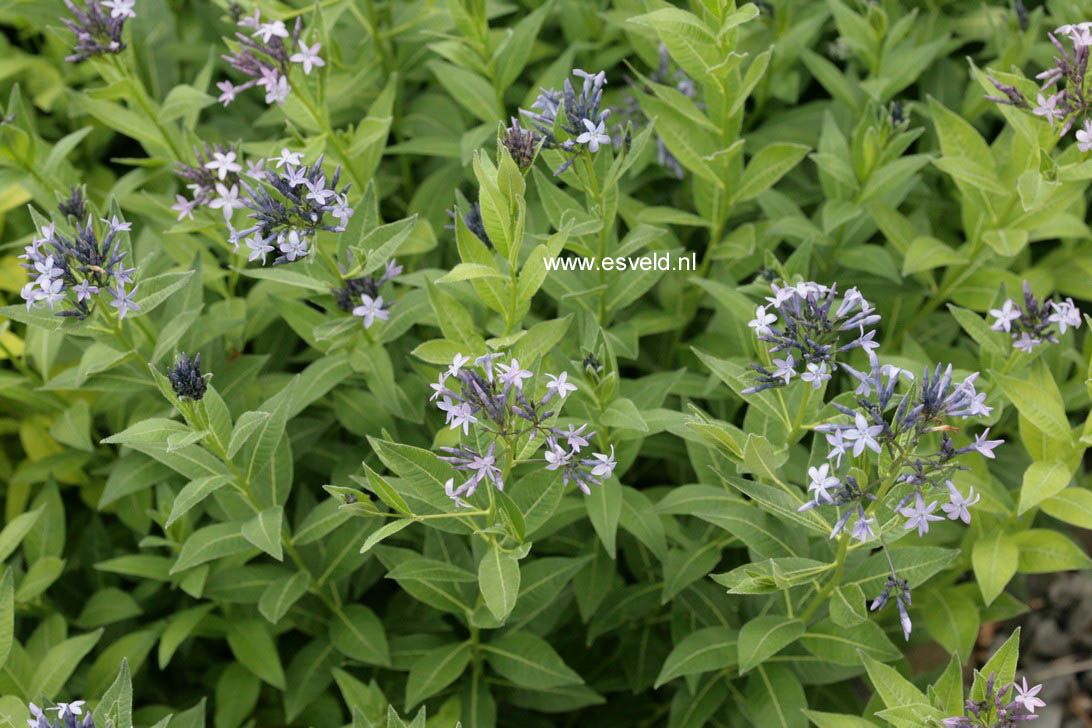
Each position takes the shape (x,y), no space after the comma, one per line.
(489,395)
(884,425)
(1031,324)
(580,116)
(82,266)
(1005,707)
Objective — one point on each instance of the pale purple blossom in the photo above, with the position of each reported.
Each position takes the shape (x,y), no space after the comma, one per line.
(371,309)
(919,515)
(560,384)
(957,506)
(309,57)
(1027,696)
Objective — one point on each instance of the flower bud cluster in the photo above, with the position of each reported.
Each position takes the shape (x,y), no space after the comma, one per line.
(473,221)
(809,325)
(263,56)
(1070,101)
(214,180)
(522,144)
(802,322)
(1031,323)
(491,397)
(96,32)
(79,270)
(291,208)
(901,591)
(185,377)
(360,296)
(580,116)
(1011,705)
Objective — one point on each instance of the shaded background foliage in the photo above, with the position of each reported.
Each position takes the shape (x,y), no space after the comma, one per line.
(872,160)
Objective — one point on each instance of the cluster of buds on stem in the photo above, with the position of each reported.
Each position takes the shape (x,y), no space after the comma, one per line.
(491,398)
(292,210)
(882,423)
(472,218)
(1063,96)
(186,379)
(802,322)
(214,180)
(1032,323)
(263,56)
(579,117)
(360,296)
(97,33)
(1005,707)
(83,265)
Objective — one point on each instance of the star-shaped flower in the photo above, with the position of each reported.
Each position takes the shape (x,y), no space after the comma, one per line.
(1005,315)
(266,31)
(309,57)
(919,515)
(222,163)
(560,384)
(594,136)
(371,309)
(957,506)
(1026,696)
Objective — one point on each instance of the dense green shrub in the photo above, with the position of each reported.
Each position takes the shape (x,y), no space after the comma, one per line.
(312,416)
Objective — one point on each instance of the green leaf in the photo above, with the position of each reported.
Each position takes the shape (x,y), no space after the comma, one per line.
(766,167)
(893,688)
(387,529)
(837,645)
(41,574)
(498,579)
(775,698)
(182,100)
(952,618)
(435,670)
(245,426)
(157,289)
(16,530)
(1072,505)
(253,646)
(1002,665)
(847,605)
(978,176)
(53,671)
(470,90)
(281,594)
(7,615)
(1043,551)
(179,626)
(604,506)
(73,427)
(116,705)
(194,492)
(529,661)
(926,253)
(764,637)
(994,558)
(208,543)
(308,676)
(837,720)
(1039,400)
(264,531)
(705,650)
(358,633)
(1041,481)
